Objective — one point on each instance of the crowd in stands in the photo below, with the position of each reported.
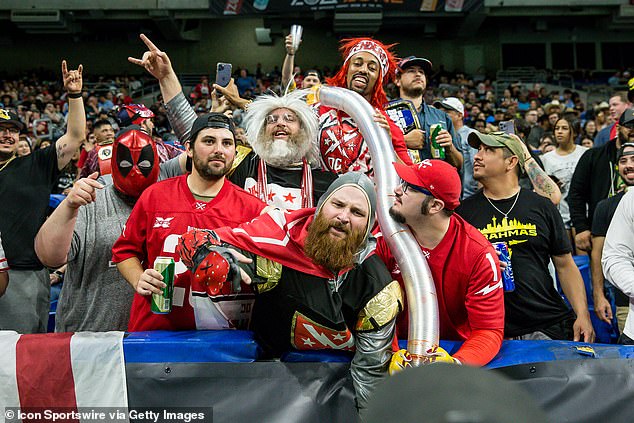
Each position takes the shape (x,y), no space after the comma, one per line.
(530,166)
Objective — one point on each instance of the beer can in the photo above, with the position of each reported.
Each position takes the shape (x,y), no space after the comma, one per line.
(437,152)
(508,280)
(162,303)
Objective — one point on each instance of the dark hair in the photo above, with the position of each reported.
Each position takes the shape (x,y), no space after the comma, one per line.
(101,122)
(313,72)
(573,124)
(212,120)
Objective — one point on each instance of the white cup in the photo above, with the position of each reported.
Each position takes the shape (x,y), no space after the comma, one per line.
(296,33)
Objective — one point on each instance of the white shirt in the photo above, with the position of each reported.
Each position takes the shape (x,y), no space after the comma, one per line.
(618,254)
(562,167)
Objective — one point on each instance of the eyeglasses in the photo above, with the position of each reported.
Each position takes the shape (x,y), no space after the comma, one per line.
(406,185)
(9,129)
(286,117)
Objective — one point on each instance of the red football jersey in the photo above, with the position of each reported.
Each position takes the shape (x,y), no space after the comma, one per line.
(342,146)
(164,211)
(468,282)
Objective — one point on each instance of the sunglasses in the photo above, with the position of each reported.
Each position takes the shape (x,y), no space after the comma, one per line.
(406,185)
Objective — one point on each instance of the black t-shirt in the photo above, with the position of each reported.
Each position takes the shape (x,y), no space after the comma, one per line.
(304,311)
(533,232)
(291,178)
(25,187)
(603,214)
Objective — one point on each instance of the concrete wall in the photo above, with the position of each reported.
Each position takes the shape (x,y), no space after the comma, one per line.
(233,40)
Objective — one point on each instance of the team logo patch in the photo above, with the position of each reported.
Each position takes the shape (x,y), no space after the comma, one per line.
(163,222)
(309,335)
(105,153)
(341,142)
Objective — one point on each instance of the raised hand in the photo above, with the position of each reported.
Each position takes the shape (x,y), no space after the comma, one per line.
(73,80)
(230,92)
(155,61)
(84,191)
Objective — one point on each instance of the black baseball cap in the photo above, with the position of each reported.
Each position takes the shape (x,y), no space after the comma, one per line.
(212,120)
(622,152)
(627,117)
(405,63)
(7,116)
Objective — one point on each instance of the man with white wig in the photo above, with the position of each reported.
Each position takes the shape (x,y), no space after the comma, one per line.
(282,170)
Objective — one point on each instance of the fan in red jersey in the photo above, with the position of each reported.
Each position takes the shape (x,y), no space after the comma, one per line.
(202,199)
(368,64)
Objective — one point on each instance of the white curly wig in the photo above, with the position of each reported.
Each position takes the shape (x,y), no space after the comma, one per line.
(255,121)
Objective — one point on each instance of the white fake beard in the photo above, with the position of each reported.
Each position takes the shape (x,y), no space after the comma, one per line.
(281,153)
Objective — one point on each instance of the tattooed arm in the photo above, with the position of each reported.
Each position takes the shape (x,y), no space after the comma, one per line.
(542,183)
(69,143)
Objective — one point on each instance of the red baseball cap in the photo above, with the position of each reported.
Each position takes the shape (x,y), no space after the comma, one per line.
(436,176)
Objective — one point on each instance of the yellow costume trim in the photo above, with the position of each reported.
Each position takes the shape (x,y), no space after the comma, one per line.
(381,309)
(269,270)
(242,151)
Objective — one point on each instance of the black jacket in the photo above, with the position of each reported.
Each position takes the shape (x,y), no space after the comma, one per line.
(595,178)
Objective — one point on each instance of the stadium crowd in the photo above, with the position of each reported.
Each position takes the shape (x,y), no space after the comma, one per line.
(265,200)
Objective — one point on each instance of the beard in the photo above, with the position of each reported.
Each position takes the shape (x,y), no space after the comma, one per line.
(413,92)
(207,171)
(334,254)
(623,138)
(4,156)
(397,216)
(425,207)
(282,153)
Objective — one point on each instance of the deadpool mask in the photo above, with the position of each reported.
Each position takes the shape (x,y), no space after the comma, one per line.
(136,164)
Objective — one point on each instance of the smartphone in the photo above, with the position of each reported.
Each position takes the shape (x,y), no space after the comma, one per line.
(507,126)
(223,74)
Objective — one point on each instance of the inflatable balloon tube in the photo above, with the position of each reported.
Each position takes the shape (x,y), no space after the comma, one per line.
(419,284)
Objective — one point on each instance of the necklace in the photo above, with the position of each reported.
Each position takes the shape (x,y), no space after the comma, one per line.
(506,215)
(7,162)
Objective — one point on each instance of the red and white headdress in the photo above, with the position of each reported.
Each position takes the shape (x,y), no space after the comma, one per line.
(387,60)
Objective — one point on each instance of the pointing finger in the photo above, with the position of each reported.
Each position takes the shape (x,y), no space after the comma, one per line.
(64,67)
(149,43)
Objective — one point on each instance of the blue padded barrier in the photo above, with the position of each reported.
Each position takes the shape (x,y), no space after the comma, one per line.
(203,346)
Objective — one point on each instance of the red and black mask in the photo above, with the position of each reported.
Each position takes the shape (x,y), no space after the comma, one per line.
(136,162)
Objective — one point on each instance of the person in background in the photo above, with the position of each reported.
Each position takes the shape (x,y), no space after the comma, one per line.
(595,178)
(561,163)
(310,78)
(25,305)
(618,103)
(603,215)
(411,79)
(24,146)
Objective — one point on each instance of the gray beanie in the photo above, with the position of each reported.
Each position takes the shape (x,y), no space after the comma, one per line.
(359,181)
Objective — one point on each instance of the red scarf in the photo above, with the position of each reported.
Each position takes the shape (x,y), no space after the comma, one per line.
(278,236)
